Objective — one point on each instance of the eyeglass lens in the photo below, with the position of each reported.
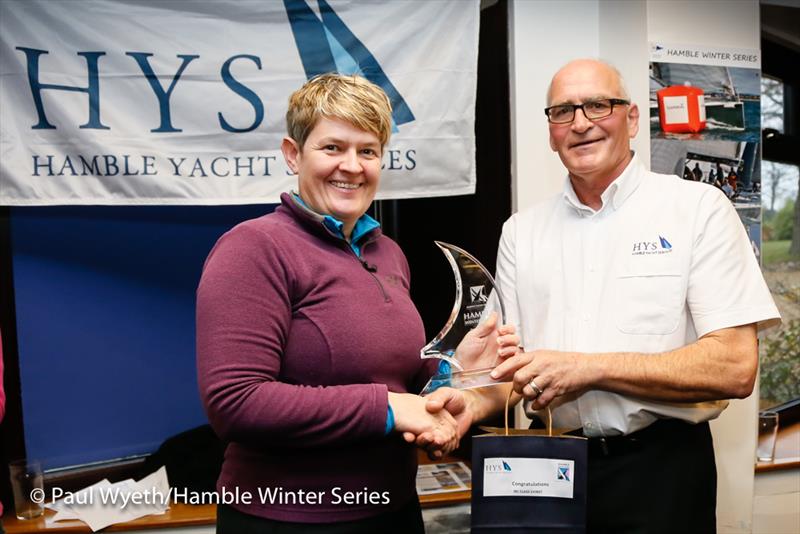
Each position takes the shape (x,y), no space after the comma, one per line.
(595,109)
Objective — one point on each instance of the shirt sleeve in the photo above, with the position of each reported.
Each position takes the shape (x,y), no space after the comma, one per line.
(725,287)
(244,310)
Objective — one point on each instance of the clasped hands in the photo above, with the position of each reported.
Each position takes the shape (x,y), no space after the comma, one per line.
(435,423)
(554,373)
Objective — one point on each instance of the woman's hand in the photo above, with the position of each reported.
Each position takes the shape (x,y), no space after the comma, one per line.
(485,345)
(413,419)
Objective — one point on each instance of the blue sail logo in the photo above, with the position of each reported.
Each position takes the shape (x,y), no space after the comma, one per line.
(328,45)
(664,243)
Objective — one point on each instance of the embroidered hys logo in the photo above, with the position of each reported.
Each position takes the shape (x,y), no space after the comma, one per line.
(641,248)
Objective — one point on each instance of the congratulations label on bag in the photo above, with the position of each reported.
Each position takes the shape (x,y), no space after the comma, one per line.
(528,477)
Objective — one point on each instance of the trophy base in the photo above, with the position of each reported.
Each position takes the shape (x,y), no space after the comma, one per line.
(476,378)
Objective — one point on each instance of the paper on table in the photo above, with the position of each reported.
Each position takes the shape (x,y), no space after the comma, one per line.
(104,503)
(63,510)
(442,478)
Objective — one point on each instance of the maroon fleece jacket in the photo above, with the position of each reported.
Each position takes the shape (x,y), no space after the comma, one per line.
(298,343)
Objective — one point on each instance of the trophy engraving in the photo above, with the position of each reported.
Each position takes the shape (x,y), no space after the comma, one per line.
(475,290)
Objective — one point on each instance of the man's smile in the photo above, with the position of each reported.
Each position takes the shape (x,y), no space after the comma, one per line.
(585,142)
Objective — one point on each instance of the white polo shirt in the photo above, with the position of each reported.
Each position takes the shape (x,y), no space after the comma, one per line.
(662,263)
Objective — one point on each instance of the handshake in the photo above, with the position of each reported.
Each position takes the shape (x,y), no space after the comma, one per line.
(438,422)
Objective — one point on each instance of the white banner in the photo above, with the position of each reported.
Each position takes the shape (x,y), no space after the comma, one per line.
(183,101)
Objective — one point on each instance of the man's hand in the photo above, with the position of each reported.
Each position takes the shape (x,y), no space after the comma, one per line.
(485,344)
(452,402)
(720,365)
(554,373)
(412,418)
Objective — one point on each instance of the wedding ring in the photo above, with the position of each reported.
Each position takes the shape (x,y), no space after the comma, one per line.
(536,389)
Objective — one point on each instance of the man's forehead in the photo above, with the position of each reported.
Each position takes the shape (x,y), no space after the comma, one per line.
(584,80)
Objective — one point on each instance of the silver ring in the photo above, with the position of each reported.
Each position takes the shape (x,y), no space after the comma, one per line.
(536,389)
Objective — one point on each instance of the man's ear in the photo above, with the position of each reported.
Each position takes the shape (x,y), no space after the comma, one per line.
(291,153)
(633,120)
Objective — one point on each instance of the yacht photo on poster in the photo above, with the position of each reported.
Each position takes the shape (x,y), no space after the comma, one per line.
(705,122)
(734,167)
(703,93)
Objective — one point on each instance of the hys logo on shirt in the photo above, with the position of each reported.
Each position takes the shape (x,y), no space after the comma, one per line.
(662,246)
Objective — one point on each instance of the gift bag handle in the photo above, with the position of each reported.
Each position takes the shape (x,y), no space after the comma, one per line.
(549,415)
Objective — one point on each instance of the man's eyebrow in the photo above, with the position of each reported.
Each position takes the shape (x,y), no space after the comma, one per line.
(590,99)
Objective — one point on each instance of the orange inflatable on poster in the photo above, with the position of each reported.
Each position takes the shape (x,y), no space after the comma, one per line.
(681,109)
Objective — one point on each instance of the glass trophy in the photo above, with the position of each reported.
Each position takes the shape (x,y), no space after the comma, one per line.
(476,291)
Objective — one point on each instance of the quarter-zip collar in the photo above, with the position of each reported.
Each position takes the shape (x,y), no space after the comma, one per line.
(365,230)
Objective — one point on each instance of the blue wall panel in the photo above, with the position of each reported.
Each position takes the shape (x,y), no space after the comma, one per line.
(105,319)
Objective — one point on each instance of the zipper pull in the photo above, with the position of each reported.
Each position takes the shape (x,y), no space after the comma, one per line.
(368,267)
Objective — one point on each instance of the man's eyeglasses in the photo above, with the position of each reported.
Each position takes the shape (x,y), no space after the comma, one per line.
(592,110)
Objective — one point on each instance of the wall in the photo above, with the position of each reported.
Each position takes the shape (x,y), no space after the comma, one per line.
(105,322)
(547,34)
(538,49)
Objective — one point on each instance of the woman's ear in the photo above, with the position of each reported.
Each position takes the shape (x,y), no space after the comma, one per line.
(291,153)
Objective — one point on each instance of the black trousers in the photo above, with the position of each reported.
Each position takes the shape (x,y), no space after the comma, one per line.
(662,479)
(406,520)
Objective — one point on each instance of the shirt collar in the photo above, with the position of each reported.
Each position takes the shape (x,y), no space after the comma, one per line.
(615,194)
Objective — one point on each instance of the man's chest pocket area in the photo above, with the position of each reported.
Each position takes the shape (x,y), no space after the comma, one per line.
(650,300)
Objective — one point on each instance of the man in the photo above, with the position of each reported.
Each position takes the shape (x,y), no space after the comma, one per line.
(638,297)
(697,172)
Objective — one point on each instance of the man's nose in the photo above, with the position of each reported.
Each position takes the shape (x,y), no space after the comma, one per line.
(580,123)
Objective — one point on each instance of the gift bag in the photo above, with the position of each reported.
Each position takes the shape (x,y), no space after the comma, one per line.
(528,481)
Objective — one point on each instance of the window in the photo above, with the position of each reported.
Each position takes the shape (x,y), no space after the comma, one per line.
(779,352)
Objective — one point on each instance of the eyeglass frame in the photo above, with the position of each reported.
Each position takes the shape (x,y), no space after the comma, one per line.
(576,107)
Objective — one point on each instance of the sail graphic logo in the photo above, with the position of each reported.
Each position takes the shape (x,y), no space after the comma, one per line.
(328,45)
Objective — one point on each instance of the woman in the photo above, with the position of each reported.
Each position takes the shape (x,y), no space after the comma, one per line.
(2,413)
(308,341)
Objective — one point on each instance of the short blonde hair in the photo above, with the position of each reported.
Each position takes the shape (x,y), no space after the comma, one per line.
(351,98)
